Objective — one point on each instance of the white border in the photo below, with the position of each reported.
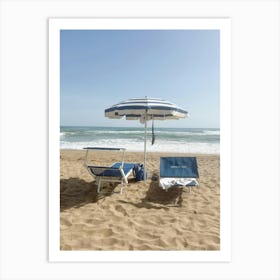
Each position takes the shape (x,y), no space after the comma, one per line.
(222,24)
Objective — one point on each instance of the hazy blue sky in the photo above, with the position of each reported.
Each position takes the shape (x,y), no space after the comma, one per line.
(99,68)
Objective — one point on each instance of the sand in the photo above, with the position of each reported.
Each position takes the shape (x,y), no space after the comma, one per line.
(143,217)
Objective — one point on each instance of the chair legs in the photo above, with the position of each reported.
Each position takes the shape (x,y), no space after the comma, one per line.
(98,181)
(123,181)
(99,184)
(124,184)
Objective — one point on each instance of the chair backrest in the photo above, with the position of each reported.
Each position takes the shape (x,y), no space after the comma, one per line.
(88,149)
(178,167)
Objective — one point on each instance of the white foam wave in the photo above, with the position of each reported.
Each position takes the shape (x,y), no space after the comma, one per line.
(211,132)
(67,133)
(189,133)
(159,130)
(159,146)
(116,131)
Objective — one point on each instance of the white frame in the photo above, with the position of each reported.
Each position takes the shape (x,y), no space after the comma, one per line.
(224,26)
(23,195)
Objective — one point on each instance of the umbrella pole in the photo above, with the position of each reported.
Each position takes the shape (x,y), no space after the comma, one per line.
(145,141)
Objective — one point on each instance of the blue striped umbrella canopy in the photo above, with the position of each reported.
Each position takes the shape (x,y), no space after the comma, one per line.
(145,109)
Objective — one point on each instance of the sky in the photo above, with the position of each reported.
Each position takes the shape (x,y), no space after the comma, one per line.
(99,68)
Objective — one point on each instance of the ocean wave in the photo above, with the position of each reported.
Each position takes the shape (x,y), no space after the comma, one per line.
(188,133)
(212,132)
(140,132)
(117,131)
(200,140)
(159,146)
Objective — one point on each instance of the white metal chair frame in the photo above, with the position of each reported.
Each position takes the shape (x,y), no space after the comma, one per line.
(123,178)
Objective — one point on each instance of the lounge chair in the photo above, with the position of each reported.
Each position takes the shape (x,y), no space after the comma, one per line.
(117,172)
(178,171)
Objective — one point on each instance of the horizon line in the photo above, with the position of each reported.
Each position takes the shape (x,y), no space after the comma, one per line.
(133,126)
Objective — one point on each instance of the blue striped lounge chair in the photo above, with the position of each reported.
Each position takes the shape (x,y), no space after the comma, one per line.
(117,172)
(177,172)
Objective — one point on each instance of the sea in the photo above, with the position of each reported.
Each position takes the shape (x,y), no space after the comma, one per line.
(179,140)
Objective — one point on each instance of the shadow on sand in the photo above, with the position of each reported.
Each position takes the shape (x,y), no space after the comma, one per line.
(157,198)
(75,192)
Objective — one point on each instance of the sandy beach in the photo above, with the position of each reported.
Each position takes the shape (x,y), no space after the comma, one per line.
(143,217)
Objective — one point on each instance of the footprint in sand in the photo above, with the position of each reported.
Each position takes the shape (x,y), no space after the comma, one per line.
(107,232)
(121,210)
(145,247)
(213,240)
(161,243)
(112,242)
(94,222)
(65,222)
(145,235)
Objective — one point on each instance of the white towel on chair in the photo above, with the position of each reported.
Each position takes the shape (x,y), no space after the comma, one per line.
(167,183)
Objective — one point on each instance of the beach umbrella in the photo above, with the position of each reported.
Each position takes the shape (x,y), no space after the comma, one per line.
(144,110)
